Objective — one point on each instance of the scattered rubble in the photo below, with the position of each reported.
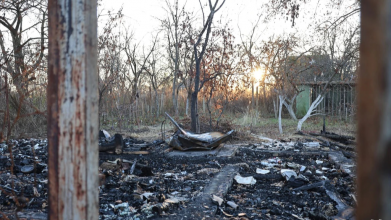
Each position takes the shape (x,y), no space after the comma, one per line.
(245,180)
(273,180)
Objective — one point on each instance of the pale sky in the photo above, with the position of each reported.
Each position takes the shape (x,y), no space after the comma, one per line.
(140,16)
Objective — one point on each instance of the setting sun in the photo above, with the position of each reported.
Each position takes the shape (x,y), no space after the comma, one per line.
(258,74)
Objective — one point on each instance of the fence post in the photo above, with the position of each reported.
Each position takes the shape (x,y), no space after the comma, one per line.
(374,107)
(72,95)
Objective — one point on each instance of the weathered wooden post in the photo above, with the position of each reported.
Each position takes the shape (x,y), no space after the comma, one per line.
(72,95)
(374,112)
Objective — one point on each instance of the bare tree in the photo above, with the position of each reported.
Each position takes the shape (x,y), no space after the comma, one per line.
(174,34)
(109,55)
(156,72)
(219,63)
(137,60)
(23,44)
(207,27)
(342,48)
(14,60)
(291,10)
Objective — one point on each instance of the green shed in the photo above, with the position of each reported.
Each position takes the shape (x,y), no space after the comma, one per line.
(303,101)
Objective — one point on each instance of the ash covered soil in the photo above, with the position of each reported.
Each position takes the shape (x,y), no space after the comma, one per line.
(159,186)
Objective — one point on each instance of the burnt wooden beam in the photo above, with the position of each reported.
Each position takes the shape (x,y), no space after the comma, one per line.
(72,95)
(374,112)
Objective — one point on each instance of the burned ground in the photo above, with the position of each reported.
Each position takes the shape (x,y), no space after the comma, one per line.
(171,185)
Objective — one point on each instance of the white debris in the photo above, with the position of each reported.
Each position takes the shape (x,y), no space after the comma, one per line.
(245,180)
(267,164)
(292,165)
(319,172)
(319,161)
(302,168)
(287,173)
(37,147)
(274,160)
(312,144)
(303,177)
(261,171)
(232,204)
(147,195)
(265,139)
(208,171)
(106,134)
(129,177)
(175,193)
(218,200)
(271,162)
(169,174)
(176,199)
(124,209)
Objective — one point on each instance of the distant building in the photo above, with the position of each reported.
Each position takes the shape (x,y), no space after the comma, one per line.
(340,97)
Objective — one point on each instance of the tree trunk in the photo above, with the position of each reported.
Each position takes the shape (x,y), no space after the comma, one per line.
(204,105)
(72,106)
(256,99)
(174,98)
(374,107)
(313,106)
(264,97)
(289,107)
(198,57)
(290,110)
(282,100)
(157,107)
(134,90)
(252,96)
(194,99)
(275,107)
(188,98)
(194,112)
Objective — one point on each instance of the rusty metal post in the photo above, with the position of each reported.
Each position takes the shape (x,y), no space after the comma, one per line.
(72,95)
(374,112)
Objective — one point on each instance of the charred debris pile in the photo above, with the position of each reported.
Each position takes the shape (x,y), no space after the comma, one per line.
(196,177)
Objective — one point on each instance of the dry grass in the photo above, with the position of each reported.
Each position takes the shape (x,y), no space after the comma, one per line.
(247,127)
(268,127)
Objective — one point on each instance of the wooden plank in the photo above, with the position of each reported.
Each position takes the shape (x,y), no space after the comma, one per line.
(72,94)
(135,152)
(344,102)
(202,207)
(374,107)
(332,100)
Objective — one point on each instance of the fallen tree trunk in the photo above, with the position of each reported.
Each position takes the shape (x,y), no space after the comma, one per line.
(340,138)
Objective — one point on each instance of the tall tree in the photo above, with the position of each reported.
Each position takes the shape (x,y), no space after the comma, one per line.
(291,9)
(203,36)
(342,48)
(14,59)
(137,58)
(109,55)
(156,69)
(219,63)
(174,35)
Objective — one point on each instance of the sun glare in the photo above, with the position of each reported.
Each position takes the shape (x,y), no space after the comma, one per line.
(258,74)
